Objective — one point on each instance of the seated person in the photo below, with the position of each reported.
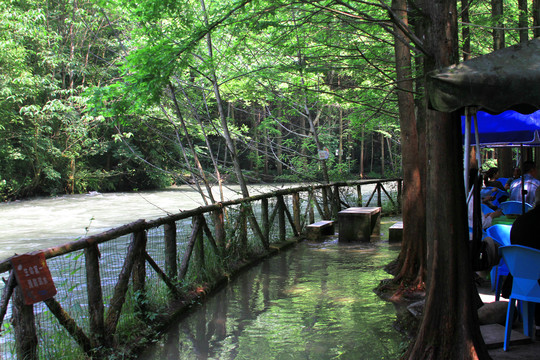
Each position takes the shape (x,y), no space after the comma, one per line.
(530,181)
(515,175)
(485,218)
(526,228)
(491,180)
(525,232)
(498,191)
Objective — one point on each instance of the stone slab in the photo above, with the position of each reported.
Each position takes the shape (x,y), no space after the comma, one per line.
(493,335)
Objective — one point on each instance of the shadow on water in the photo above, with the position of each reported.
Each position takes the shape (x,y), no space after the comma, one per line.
(315,301)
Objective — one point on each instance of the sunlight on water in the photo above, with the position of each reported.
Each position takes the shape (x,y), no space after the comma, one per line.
(301,304)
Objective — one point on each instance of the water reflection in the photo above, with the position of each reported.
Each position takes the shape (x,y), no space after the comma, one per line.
(315,301)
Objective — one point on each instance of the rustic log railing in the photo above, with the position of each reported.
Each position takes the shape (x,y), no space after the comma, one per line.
(121,283)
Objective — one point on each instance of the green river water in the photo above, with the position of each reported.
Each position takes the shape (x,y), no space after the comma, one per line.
(314,301)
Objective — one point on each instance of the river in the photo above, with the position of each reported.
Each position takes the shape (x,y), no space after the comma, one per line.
(41,223)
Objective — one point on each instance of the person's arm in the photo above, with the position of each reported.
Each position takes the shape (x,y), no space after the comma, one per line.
(488,219)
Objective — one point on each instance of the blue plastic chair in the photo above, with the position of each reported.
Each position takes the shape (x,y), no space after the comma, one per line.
(503,181)
(500,233)
(486,209)
(511,207)
(496,192)
(487,191)
(523,263)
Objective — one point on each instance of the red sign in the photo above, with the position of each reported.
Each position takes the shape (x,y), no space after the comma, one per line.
(34,277)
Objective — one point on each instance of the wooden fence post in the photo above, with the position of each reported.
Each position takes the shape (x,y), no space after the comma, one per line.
(95,295)
(199,247)
(326,211)
(219,230)
(187,253)
(359,194)
(171,267)
(243,229)
(217,250)
(139,271)
(312,199)
(296,211)
(399,187)
(265,220)
(26,342)
(255,225)
(6,295)
(281,218)
(71,326)
(120,289)
(336,202)
(379,197)
(318,206)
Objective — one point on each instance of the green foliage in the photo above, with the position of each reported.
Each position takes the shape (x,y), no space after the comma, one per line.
(77,78)
(489,163)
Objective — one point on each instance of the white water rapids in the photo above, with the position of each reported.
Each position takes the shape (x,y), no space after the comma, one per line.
(36,224)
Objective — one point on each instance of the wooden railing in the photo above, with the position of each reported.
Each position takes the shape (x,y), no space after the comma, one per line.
(132,279)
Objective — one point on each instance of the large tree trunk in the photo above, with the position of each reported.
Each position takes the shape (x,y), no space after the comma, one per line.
(504,155)
(410,271)
(449,328)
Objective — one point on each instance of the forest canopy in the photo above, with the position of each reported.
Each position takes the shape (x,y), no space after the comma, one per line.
(117,95)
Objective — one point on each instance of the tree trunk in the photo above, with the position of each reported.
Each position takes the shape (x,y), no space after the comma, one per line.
(389,144)
(523,21)
(449,328)
(266,147)
(382,155)
(279,138)
(504,155)
(226,134)
(213,157)
(340,150)
(498,31)
(411,265)
(361,160)
(198,164)
(466,31)
(536,17)
(372,152)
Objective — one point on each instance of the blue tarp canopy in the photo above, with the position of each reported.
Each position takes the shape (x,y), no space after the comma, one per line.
(508,128)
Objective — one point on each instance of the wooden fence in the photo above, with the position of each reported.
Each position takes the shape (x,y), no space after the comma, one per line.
(120,287)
